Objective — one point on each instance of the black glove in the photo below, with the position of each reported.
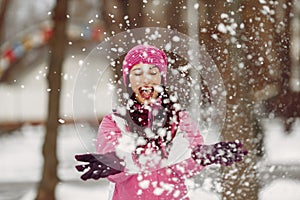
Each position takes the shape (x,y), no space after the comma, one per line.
(224,153)
(99,165)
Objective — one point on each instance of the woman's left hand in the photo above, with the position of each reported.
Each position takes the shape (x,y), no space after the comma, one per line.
(224,153)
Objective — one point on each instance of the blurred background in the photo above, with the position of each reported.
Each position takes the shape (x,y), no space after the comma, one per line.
(254,43)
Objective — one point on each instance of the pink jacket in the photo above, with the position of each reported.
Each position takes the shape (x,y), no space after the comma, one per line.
(166,183)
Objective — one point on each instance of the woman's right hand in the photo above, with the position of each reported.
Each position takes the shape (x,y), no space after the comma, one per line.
(99,165)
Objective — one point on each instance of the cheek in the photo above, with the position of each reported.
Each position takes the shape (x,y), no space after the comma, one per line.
(156,80)
(135,82)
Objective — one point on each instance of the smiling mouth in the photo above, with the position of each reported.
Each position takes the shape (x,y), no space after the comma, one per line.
(146,92)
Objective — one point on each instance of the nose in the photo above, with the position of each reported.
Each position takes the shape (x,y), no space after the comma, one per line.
(146,79)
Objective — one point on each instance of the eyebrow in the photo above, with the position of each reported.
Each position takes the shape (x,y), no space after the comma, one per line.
(154,66)
(136,69)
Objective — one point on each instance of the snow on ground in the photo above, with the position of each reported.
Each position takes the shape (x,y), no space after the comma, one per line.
(281,147)
(281,189)
(67,191)
(21,161)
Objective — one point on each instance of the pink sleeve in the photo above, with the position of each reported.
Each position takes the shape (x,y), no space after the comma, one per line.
(189,167)
(108,134)
(190,130)
(106,141)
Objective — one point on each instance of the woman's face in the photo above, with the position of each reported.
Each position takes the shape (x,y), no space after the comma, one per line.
(145,80)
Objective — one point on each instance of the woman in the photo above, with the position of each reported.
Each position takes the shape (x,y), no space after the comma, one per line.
(149,151)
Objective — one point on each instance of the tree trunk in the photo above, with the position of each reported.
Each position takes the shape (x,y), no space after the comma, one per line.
(177,15)
(47,185)
(112,15)
(135,13)
(119,16)
(4,5)
(283,43)
(238,181)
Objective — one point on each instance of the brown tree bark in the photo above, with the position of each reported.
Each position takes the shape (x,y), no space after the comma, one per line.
(122,15)
(176,15)
(3,8)
(135,14)
(286,104)
(112,13)
(119,16)
(283,38)
(47,185)
(238,181)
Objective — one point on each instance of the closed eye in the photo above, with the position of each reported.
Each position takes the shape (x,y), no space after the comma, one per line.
(153,70)
(137,72)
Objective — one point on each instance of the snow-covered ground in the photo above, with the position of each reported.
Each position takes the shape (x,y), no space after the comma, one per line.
(21,161)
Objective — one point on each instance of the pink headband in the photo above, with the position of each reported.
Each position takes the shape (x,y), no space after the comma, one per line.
(147,55)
